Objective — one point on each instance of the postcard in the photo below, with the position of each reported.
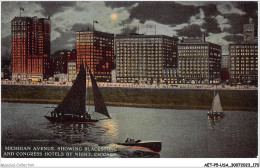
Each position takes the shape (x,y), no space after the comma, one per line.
(115,80)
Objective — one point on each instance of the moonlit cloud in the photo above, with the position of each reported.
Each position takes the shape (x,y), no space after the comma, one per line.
(229,8)
(219,39)
(222,21)
(197,19)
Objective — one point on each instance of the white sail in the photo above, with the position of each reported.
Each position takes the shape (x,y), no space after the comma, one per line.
(216,105)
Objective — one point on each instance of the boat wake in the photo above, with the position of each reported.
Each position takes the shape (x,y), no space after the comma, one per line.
(83,144)
(134,151)
(115,150)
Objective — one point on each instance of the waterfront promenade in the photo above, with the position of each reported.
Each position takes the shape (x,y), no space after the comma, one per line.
(240,98)
(133,85)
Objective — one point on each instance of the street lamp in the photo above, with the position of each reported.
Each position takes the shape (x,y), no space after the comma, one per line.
(239,85)
(248,82)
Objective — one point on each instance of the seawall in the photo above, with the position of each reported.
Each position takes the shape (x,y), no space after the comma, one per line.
(232,100)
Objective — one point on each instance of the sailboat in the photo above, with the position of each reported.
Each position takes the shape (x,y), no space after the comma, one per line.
(72,109)
(216,110)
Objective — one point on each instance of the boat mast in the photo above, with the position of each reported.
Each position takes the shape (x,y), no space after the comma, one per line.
(212,105)
(75,101)
(88,89)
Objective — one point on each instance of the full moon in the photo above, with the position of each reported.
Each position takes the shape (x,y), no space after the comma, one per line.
(114,16)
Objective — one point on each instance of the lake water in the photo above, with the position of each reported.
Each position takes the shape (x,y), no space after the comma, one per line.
(183,133)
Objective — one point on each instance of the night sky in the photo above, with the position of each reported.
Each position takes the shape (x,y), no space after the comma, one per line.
(221,21)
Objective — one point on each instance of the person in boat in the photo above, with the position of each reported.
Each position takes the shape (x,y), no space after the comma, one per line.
(138,141)
(88,116)
(54,114)
(127,140)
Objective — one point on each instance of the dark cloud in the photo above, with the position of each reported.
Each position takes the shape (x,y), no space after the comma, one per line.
(6,46)
(233,38)
(81,27)
(126,21)
(211,25)
(128,30)
(210,10)
(164,12)
(51,7)
(236,22)
(170,13)
(66,40)
(250,8)
(119,4)
(190,31)
(228,6)
(58,29)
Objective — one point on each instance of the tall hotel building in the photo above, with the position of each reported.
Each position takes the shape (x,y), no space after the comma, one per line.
(244,58)
(146,58)
(97,50)
(30,48)
(199,61)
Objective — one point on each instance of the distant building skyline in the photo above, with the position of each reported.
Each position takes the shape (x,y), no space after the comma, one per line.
(139,58)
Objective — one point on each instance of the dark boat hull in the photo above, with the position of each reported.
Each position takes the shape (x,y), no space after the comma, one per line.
(215,115)
(70,120)
(154,146)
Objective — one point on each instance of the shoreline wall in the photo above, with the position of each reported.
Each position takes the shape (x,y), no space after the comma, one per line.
(232,100)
